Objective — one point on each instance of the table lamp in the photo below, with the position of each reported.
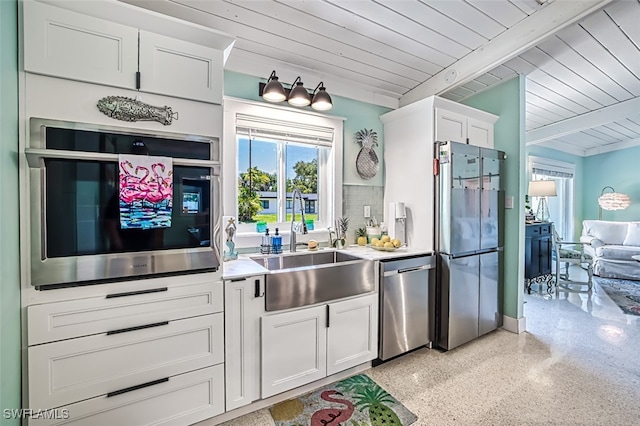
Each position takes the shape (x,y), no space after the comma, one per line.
(542,189)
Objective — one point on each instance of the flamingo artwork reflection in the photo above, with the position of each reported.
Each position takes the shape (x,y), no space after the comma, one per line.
(332,416)
(146,191)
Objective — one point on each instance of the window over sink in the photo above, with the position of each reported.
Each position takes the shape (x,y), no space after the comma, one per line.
(270,150)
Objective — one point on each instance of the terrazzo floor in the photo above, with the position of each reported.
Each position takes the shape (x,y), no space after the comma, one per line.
(577,364)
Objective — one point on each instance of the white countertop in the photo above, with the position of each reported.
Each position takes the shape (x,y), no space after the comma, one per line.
(245,267)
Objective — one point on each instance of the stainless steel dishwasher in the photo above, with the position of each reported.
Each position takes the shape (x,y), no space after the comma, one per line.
(404,305)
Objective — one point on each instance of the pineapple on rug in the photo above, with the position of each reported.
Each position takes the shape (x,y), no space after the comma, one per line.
(355,401)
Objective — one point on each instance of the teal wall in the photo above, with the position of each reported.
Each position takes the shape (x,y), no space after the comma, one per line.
(359,115)
(507,101)
(578,181)
(618,169)
(10,247)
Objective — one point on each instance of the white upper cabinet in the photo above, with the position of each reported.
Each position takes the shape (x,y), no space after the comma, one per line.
(453,126)
(67,44)
(178,68)
(480,133)
(450,126)
(72,45)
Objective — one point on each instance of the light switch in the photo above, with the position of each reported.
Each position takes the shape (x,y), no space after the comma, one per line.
(508,202)
(367,211)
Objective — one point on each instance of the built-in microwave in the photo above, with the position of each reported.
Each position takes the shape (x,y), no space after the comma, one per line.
(77,221)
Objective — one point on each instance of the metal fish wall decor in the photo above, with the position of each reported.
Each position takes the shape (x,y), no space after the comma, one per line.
(128,109)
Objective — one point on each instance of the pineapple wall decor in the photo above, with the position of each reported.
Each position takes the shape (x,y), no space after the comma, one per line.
(367,162)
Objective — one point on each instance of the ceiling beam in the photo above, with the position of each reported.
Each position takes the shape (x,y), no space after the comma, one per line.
(584,121)
(615,146)
(507,45)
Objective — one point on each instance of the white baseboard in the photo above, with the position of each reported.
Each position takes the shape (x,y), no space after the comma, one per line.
(514,325)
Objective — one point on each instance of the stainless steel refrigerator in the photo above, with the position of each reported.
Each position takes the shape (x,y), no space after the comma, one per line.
(469,214)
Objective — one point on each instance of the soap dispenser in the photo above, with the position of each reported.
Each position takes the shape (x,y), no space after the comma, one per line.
(265,247)
(276,243)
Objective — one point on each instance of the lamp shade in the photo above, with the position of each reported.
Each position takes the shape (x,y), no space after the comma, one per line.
(614,201)
(542,188)
(321,99)
(273,91)
(299,96)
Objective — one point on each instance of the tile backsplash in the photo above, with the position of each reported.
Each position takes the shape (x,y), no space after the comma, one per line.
(355,197)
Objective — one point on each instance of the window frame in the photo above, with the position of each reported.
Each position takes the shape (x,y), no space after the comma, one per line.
(568,190)
(331,182)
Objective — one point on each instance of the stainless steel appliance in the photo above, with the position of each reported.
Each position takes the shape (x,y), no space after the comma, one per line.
(76,233)
(469,212)
(404,305)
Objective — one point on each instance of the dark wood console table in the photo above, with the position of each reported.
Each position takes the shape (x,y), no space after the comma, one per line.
(537,254)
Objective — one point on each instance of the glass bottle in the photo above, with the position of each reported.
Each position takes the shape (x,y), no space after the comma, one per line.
(276,243)
(265,247)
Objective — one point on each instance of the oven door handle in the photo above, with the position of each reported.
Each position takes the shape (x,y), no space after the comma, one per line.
(36,156)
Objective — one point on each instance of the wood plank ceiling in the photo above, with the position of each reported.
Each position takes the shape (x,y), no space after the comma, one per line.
(382,51)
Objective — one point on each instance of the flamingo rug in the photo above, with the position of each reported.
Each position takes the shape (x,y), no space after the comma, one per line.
(355,401)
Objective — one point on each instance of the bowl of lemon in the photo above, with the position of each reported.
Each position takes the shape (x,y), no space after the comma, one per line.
(385,243)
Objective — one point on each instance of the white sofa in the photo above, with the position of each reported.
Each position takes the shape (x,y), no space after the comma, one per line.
(611,244)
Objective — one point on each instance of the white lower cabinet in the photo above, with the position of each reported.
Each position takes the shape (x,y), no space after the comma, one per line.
(352,335)
(181,400)
(244,305)
(299,347)
(64,372)
(294,349)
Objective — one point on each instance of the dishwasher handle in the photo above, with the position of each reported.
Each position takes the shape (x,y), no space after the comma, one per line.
(407,270)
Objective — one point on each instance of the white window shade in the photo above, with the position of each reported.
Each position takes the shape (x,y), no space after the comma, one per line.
(262,127)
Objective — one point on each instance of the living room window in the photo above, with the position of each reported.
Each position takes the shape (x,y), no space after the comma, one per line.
(561,207)
(268,151)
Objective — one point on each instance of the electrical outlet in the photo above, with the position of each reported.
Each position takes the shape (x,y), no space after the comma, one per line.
(367,212)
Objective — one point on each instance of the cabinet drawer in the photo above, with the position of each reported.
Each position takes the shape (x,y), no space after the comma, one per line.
(545,229)
(184,399)
(532,230)
(74,318)
(68,371)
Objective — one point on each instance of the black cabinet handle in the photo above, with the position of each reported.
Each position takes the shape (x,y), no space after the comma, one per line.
(136,387)
(328,316)
(135,293)
(140,327)
(257,288)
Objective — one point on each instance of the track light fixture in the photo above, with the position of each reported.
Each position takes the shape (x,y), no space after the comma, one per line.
(298,96)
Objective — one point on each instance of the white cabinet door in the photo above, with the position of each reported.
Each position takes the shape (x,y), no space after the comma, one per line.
(352,336)
(67,44)
(294,349)
(480,133)
(244,305)
(178,68)
(450,126)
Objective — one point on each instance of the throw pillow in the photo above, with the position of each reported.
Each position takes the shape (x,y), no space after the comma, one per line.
(633,235)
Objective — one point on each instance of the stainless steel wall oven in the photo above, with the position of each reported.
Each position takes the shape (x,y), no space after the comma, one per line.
(75,206)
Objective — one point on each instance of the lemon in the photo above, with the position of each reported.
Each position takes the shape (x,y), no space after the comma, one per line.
(379,244)
(385,239)
(374,241)
(396,242)
(388,245)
